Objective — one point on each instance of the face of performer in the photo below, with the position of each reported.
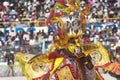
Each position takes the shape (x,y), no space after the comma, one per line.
(74,47)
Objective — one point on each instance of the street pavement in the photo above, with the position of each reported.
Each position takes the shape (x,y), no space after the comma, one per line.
(4,70)
(13,78)
(19,75)
(105,76)
(4,75)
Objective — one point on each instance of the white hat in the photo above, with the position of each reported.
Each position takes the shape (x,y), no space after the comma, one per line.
(6,3)
(0,43)
(105,10)
(16,19)
(12,52)
(17,39)
(11,4)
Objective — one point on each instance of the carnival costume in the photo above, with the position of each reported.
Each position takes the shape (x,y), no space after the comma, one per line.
(68,58)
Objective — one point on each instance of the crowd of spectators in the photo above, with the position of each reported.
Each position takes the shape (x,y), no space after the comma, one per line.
(100,25)
(33,9)
(17,10)
(105,9)
(104,25)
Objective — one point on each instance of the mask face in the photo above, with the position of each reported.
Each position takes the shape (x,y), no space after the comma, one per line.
(74,47)
(71,45)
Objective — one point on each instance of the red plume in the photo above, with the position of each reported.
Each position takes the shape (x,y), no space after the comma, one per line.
(50,16)
(61,33)
(62,2)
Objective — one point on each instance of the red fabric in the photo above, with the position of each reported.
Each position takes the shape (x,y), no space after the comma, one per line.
(61,33)
(103,66)
(111,67)
(81,65)
(86,39)
(2,7)
(54,55)
(50,16)
(62,2)
(59,14)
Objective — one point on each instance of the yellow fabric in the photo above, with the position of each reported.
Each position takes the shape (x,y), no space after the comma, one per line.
(23,58)
(65,74)
(58,61)
(99,56)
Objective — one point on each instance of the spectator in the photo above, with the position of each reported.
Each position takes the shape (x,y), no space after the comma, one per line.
(114,30)
(10,62)
(42,4)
